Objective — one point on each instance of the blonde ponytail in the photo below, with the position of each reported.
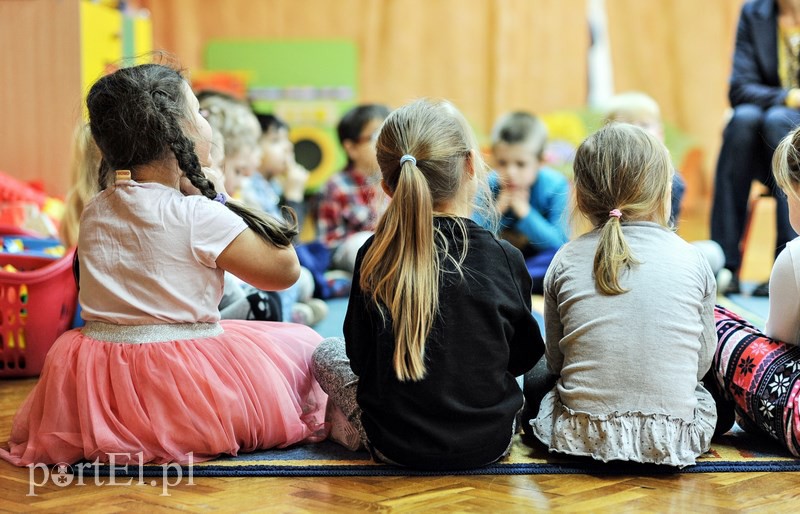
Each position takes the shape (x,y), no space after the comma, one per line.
(423,150)
(401,269)
(621,173)
(612,256)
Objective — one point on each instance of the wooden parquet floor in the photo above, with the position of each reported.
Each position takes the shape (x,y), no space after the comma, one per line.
(701,492)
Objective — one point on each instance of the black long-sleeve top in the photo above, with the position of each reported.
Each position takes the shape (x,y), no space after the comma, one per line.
(461,414)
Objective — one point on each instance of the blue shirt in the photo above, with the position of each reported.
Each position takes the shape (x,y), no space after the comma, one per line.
(545,226)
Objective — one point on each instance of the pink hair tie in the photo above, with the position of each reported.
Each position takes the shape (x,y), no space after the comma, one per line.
(616,213)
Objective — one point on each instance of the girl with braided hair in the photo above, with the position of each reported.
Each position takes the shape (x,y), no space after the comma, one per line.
(155,376)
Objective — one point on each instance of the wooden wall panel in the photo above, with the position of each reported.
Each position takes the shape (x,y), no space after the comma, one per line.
(40,93)
(679,52)
(487,56)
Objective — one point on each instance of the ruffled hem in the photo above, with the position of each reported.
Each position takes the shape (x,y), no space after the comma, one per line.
(246,389)
(627,436)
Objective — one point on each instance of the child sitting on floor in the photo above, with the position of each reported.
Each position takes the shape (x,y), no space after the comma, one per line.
(643,111)
(532,198)
(349,203)
(439,321)
(281,180)
(155,376)
(628,316)
(759,373)
(240,164)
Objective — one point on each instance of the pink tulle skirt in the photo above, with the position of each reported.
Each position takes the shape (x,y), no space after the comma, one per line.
(247,386)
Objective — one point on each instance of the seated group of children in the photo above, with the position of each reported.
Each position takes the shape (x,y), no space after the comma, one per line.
(438,330)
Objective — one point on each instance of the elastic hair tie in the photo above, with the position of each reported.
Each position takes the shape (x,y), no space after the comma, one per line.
(615,213)
(123,175)
(407,157)
(220,198)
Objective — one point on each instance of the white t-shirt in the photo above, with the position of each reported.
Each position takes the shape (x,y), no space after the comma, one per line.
(783,321)
(148,255)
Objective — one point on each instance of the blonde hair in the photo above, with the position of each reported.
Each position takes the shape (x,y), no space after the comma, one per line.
(235,120)
(86,162)
(786,163)
(630,106)
(622,167)
(401,270)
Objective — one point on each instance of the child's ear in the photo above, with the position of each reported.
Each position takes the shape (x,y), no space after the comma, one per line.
(469,164)
(349,147)
(386,188)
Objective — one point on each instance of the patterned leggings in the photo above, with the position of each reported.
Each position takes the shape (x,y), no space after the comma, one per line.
(761,376)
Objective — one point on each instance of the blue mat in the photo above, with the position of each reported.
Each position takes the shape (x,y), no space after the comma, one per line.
(331,326)
(752,308)
(736,451)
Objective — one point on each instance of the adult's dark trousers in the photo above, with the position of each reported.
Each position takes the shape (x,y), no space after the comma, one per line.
(748,142)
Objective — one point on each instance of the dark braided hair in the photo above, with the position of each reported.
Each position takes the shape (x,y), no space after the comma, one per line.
(137,115)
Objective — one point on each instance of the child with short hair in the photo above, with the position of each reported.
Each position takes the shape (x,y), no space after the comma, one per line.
(235,121)
(155,376)
(439,321)
(282,180)
(759,372)
(349,206)
(240,165)
(628,315)
(532,198)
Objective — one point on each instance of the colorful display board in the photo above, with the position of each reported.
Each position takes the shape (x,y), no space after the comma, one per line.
(309,84)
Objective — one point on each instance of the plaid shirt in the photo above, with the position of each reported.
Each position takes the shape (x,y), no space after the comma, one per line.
(348,205)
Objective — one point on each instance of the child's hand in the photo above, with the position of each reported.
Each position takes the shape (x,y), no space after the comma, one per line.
(520,201)
(213,175)
(514,200)
(294,186)
(217,178)
(503,202)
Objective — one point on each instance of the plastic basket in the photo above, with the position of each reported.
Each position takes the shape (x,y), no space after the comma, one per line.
(15,190)
(37,304)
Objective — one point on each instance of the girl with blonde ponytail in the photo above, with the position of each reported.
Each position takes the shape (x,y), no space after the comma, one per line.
(439,320)
(629,315)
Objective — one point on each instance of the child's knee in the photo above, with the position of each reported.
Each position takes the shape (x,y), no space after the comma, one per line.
(326,354)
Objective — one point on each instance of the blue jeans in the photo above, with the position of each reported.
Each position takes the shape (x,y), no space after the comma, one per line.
(749,139)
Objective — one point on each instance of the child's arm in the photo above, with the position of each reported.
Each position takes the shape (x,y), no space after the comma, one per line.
(783,320)
(553,329)
(526,345)
(547,230)
(708,338)
(260,264)
(358,330)
(294,189)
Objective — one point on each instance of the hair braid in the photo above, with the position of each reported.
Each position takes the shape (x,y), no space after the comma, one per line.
(189,163)
(278,232)
(137,115)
